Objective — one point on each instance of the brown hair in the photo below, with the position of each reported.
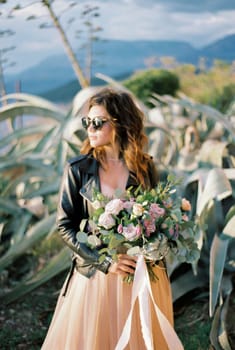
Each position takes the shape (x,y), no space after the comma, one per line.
(128,122)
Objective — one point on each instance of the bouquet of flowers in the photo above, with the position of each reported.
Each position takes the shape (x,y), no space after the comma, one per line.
(152,222)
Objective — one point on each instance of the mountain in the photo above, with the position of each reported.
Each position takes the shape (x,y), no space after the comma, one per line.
(223,49)
(115,58)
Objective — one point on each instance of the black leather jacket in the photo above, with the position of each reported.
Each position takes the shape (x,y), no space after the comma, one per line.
(79,178)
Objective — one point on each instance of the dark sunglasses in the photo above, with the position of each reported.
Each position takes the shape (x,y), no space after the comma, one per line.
(97,123)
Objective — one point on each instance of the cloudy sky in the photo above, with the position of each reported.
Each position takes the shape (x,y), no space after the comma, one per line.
(196,22)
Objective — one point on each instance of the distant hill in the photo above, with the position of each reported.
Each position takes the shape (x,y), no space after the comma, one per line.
(55,79)
(223,49)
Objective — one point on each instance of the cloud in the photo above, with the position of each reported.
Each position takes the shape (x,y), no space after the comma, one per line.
(186,6)
(156,22)
(197,22)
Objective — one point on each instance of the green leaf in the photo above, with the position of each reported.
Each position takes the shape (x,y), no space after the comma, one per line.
(9,206)
(217,186)
(229,229)
(32,236)
(20,133)
(24,108)
(218,254)
(82,237)
(93,240)
(187,282)
(56,265)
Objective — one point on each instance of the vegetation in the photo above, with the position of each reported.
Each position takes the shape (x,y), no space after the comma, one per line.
(192,140)
(160,81)
(213,86)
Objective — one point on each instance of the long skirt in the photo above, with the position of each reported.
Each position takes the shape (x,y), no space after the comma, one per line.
(92,314)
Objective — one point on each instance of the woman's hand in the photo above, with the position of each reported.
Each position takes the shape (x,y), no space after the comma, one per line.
(125,265)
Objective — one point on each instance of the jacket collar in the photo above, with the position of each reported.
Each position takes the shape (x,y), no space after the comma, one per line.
(90,165)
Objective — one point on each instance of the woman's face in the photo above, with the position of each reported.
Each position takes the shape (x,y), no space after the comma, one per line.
(104,135)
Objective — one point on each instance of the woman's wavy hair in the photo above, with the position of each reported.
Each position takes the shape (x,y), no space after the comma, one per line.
(128,122)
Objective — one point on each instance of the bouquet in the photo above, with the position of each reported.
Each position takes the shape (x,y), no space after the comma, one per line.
(153,223)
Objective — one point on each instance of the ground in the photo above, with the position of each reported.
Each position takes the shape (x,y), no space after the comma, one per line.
(23,324)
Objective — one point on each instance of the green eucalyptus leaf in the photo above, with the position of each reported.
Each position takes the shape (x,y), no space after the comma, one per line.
(82,237)
(93,240)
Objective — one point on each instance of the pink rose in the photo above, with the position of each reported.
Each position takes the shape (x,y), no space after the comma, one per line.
(128,205)
(106,220)
(156,211)
(150,227)
(114,206)
(131,232)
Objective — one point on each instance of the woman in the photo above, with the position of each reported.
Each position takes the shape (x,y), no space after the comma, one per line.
(95,301)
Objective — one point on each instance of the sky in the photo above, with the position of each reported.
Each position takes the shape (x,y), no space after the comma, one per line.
(198,22)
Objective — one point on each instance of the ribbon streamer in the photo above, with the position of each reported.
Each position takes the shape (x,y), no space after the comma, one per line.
(142,290)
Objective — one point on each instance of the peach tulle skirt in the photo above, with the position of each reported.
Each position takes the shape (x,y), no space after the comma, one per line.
(92,314)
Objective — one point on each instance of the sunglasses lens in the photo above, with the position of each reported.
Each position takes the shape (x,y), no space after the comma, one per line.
(85,123)
(97,123)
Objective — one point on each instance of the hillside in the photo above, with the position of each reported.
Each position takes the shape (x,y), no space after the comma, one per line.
(115,58)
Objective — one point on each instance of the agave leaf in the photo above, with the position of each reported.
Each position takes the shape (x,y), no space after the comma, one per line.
(24,108)
(9,206)
(210,112)
(229,230)
(218,334)
(157,147)
(223,336)
(187,282)
(32,236)
(19,133)
(230,173)
(56,265)
(70,127)
(81,98)
(47,141)
(211,152)
(27,178)
(214,330)
(230,213)
(20,223)
(61,155)
(15,162)
(33,99)
(217,186)
(45,189)
(218,254)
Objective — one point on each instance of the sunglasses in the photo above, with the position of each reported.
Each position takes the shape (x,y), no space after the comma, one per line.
(97,122)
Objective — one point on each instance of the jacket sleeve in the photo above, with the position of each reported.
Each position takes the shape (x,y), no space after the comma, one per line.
(70,212)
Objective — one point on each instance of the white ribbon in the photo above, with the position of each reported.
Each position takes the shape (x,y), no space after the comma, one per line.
(142,290)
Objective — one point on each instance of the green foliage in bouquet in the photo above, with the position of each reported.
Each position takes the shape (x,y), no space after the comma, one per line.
(150,222)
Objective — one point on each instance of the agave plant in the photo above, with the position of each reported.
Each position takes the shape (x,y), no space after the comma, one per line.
(32,160)
(205,160)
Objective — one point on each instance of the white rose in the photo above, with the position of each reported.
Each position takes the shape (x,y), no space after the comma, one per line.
(114,206)
(106,220)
